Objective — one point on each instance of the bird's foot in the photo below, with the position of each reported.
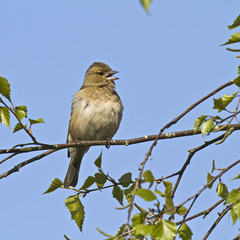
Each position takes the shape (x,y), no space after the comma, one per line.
(109,141)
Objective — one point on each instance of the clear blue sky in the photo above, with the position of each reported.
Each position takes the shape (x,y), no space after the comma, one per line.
(166,61)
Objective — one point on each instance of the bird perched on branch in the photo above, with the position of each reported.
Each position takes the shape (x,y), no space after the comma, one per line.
(96,115)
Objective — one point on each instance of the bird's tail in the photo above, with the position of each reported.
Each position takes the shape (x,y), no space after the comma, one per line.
(71,178)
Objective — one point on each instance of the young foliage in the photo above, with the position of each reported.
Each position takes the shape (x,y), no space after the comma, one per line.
(148,177)
(236,23)
(88,182)
(117,193)
(56,183)
(5,116)
(185,232)
(222,190)
(76,210)
(165,230)
(125,179)
(234,39)
(145,194)
(146,4)
(5,89)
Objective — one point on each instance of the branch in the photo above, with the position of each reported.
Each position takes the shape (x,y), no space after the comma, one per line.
(222,214)
(22,164)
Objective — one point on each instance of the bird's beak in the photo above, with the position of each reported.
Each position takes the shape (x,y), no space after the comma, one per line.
(110,75)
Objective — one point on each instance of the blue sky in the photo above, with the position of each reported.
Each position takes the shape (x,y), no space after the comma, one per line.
(166,61)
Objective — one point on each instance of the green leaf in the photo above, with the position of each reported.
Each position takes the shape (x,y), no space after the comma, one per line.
(146,4)
(20,112)
(128,192)
(222,190)
(237,177)
(209,178)
(18,127)
(142,210)
(98,161)
(117,193)
(218,104)
(165,230)
(148,177)
(168,188)
(237,81)
(142,229)
(182,210)
(235,24)
(76,209)
(234,39)
(138,218)
(88,182)
(213,166)
(5,89)
(146,194)
(235,211)
(198,122)
(159,193)
(100,179)
(233,196)
(33,121)
(207,126)
(5,116)
(56,183)
(185,232)
(227,99)
(125,179)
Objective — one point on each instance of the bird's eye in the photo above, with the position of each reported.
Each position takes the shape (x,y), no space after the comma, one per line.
(100,73)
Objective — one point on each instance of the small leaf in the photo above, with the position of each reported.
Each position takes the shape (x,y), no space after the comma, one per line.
(56,183)
(237,81)
(20,112)
(142,210)
(159,193)
(218,104)
(138,218)
(185,232)
(76,209)
(100,179)
(222,190)
(146,4)
(213,166)
(5,116)
(235,24)
(182,210)
(198,122)
(207,126)
(88,182)
(237,177)
(235,211)
(233,196)
(33,121)
(117,193)
(18,127)
(148,177)
(168,188)
(5,89)
(128,192)
(146,194)
(142,229)
(227,99)
(98,161)
(164,230)
(125,179)
(209,179)
(234,39)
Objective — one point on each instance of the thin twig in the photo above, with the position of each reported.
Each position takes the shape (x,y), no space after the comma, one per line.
(22,164)
(222,214)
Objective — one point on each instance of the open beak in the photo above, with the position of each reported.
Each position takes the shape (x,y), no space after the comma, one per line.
(110,75)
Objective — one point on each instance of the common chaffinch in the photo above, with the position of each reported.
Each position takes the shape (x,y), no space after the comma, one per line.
(96,115)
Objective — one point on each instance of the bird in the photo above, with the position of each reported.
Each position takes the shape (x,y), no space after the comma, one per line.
(96,114)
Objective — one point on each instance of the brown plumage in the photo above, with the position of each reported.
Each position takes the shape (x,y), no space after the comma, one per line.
(96,114)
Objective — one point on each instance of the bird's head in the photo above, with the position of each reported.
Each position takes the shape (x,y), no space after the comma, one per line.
(99,74)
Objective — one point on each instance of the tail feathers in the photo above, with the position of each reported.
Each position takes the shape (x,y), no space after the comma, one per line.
(71,178)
